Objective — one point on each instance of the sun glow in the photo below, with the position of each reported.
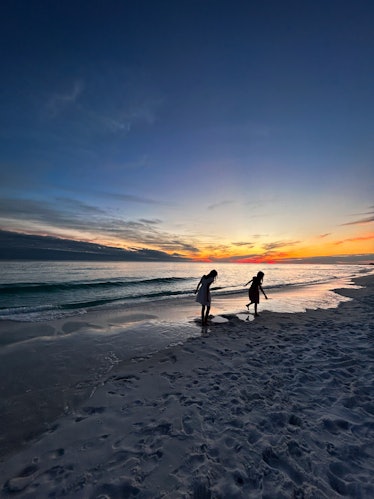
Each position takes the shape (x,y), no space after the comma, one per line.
(267,252)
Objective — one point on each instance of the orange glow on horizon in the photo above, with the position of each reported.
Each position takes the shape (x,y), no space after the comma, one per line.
(360,244)
(257,260)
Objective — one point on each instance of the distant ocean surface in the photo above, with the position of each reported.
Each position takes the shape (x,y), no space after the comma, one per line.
(38,291)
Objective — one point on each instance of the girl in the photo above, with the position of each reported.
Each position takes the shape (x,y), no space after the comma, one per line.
(203,296)
(254,290)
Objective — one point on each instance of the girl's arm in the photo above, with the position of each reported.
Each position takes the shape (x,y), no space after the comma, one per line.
(197,288)
(248,282)
(263,292)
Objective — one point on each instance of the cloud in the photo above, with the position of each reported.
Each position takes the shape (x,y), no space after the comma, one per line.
(118,99)
(132,198)
(322,236)
(106,102)
(355,239)
(150,222)
(365,220)
(15,245)
(279,244)
(247,244)
(69,216)
(178,243)
(361,221)
(126,117)
(59,101)
(219,205)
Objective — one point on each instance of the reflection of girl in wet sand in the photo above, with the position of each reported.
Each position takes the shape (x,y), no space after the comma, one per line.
(254,290)
(203,294)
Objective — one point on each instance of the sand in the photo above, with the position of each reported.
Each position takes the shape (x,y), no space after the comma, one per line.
(277,407)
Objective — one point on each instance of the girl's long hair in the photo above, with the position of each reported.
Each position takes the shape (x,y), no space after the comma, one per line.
(260,276)
(212,273)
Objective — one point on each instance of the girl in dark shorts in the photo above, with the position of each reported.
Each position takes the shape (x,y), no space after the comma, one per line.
(254,290)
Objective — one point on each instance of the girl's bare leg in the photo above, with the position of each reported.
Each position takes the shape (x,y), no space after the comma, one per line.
(256,309)
(207,314)
(202,314)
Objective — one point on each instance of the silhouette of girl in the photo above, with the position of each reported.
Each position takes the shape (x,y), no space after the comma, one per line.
(203,294)
(254,290)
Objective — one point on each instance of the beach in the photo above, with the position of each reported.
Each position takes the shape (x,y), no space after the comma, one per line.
(277,407)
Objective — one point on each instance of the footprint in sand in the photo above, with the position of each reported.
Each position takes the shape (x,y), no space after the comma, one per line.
(191,423)
(93,410)
(55,454)
(282,465)
(123,489)
(21,481)
(201,491)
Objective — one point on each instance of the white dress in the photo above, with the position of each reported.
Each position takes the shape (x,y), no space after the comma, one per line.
(203,295)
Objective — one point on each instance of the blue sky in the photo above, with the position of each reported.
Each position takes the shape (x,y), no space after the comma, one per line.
(222,130)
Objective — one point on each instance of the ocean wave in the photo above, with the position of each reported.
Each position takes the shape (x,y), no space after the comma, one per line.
(50,311)
(46,287)
(39,315)
(122,299)
(14,311)
(32,313)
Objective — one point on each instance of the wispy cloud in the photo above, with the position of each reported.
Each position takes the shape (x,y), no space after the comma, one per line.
(150,222)
(365,220)
(220,204)
(106,101)
(177,244)
(131,198)
(119,99)
(355,239)
(279,244)
(243,243)
(361,221)
(60,100)
(123,119)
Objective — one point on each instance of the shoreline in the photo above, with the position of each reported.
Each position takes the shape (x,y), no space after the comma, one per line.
(169,310)
(279,406)
(47,310)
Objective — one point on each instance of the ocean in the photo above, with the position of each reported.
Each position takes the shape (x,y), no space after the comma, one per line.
(40,291)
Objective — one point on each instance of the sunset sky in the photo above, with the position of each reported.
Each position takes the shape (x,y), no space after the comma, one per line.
(211,129)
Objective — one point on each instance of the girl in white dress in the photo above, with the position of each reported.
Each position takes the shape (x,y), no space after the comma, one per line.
(203,294)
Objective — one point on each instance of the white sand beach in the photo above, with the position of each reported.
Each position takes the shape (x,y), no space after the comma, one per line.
(277,407)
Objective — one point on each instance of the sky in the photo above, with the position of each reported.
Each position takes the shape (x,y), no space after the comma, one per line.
(212,130)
